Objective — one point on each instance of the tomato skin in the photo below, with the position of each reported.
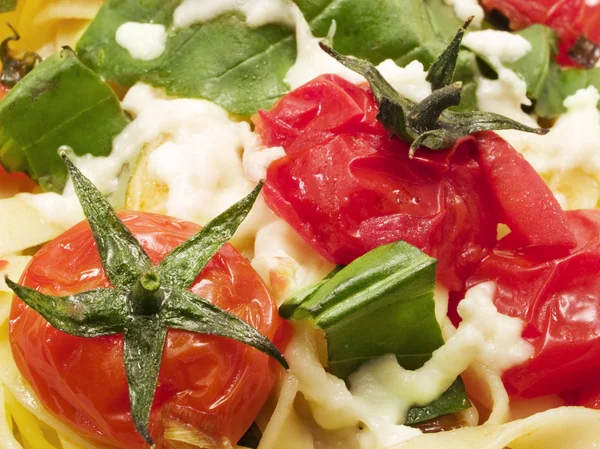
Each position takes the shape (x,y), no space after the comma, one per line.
(559,301)
(209,383)
(519,191)
(347,188)
(570,19)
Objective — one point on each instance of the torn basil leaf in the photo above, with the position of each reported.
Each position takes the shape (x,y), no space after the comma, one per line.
(61,102)
(562,83)
(403,31)
(382,303)
(535,66)
(223,60)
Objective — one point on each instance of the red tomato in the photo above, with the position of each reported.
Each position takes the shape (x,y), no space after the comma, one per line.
(559,301)
(3,90)
(346,188)
(210,384)
(570,19)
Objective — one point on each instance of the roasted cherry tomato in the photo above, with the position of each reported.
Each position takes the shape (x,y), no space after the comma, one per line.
(212,385)
(570,19)
(347,188)
(559,301)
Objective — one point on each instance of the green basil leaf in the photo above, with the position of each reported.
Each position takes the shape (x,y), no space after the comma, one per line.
(61,102)
(562,83)
(382,303)
(287,309)
(452,401)
(534,67)
(8,5)
(403,30)
(225,61)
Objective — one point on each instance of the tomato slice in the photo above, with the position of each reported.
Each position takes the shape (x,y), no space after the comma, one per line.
(525,203)
(210,384)
(570,19)
(559,301)
(346,188)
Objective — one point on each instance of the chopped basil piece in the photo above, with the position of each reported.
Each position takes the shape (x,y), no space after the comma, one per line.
(382,303)
(61,102)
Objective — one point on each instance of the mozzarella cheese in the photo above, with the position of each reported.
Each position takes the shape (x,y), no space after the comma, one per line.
(143,41)
(468,8)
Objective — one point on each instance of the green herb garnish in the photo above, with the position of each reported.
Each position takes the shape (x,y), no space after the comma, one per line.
(429,123)
(61,102)
(224,60)
(382,303)
(13,68)
(146,300)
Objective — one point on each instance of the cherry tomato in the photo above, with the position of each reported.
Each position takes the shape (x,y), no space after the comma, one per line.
(559,302)
(347,188)
(570,19)
(212,385)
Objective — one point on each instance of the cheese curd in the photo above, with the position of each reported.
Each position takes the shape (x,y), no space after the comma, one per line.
(143,41)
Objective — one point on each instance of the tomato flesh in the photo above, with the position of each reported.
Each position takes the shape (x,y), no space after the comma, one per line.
(210,384)
(570,19)
(559,302)
(347,188)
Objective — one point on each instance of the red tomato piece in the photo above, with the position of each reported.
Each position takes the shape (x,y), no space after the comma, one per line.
(210,384)
(3,264)
(520,191)
(559,301)
(570,19)
(346,188)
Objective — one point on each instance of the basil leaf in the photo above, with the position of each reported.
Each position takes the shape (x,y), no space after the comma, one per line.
(561,84)
(382,303)
(61,102)
(452,401)
(225,61)
(8,5)
(402,30)
(534,67)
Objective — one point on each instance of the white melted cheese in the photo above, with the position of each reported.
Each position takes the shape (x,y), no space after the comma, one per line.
(285,261)
(200,161)
(143,41)
(467,8)
(311,61)
(257,12)
(381,391)
(497,46)
(574,140)
(508,93)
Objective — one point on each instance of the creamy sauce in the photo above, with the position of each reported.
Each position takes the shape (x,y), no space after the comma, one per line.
(285,261)
(381,391)
(311,61)
(257,12)
(143,41)
(467,8)
(508,93)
